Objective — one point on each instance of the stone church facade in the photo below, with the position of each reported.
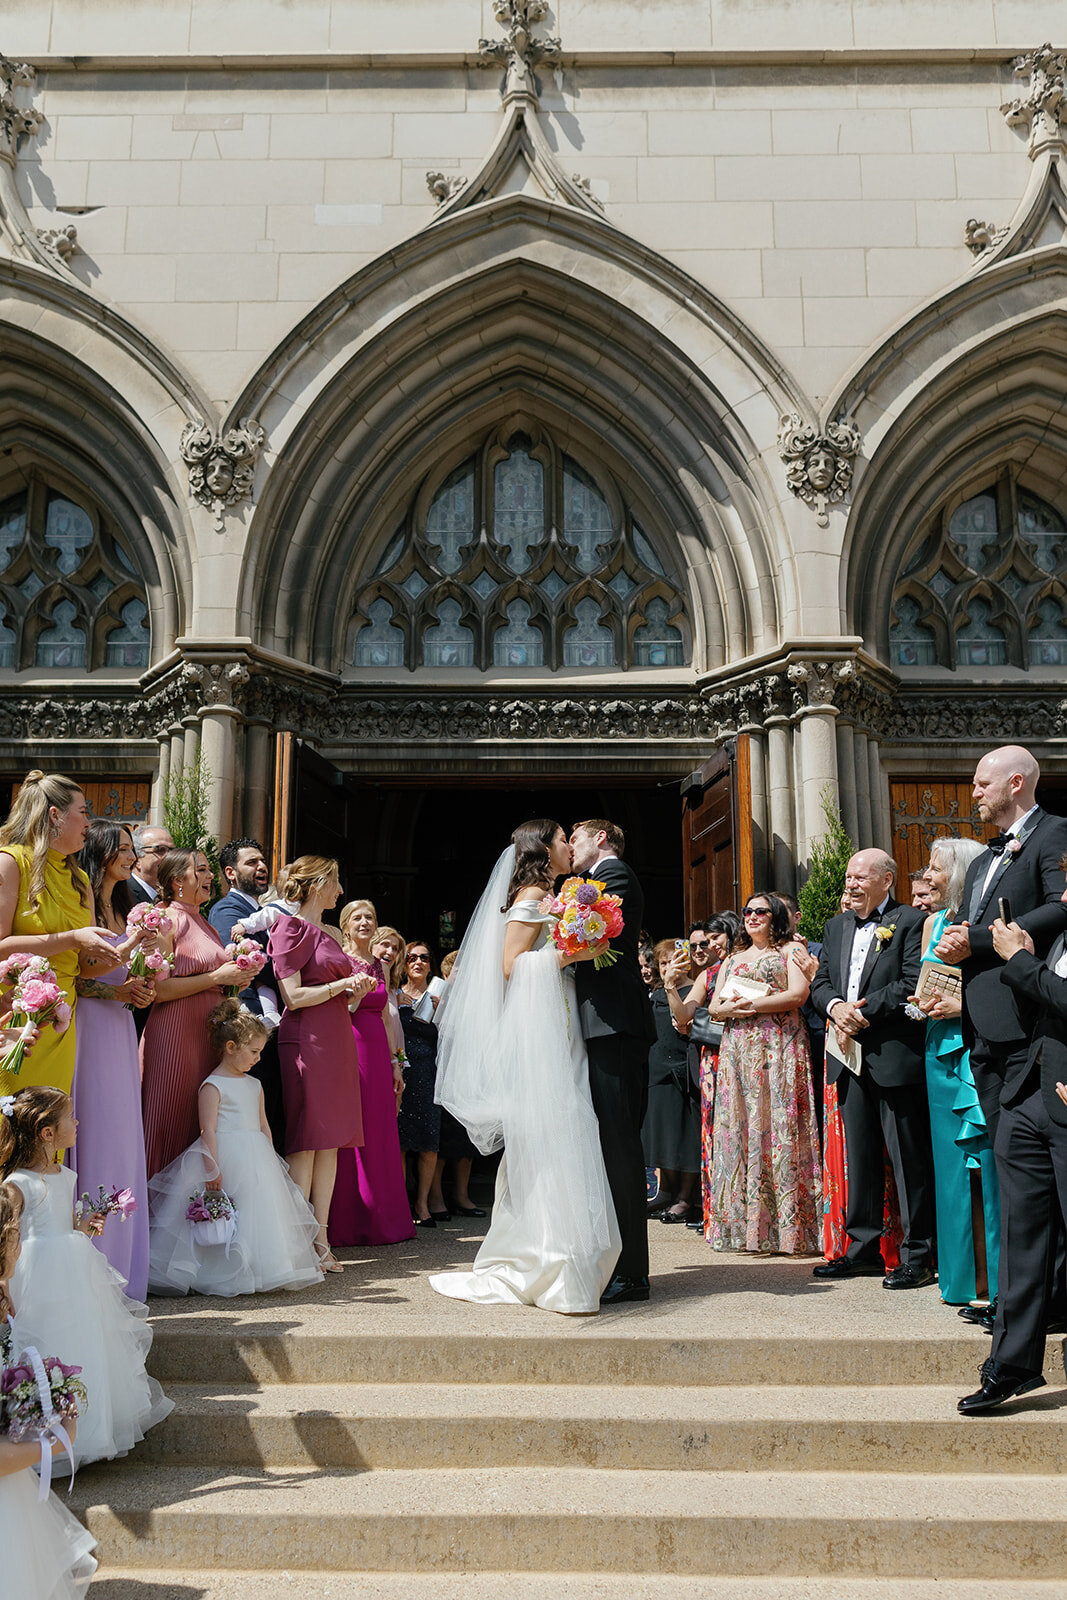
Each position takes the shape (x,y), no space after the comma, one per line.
(499,392)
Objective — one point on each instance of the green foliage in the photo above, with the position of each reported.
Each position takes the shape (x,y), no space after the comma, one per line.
(820,898)
(185,806)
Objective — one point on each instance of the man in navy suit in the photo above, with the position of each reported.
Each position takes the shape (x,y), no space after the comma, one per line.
(1031,1155)
(245,870)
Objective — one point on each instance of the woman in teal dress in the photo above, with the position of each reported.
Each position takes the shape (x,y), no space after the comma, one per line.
(957,1126)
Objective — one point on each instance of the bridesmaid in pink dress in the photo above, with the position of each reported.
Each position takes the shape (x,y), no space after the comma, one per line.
(316,1045)
(176,1051)
(370,1202)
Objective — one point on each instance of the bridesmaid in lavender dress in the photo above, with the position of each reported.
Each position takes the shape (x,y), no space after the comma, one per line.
(370,1201)
(107,1069)
(316,1046)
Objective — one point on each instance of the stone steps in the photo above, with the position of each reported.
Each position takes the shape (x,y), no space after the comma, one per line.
(314,1585)
(759,1524)
(640,1427)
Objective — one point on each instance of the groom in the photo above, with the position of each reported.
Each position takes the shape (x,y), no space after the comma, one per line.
(617,1028)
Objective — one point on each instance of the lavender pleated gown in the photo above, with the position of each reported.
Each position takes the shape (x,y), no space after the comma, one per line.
(110,1144)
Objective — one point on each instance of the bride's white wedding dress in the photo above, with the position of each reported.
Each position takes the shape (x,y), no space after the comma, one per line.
(513,1069)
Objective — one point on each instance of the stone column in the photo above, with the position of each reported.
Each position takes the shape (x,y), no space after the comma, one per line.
(257,782)
(757,761)
(864,824)
(177,750)
(218,744)
(881,819)
(159,782)
(192,742)
(817,750)
(846,778)
(779,782)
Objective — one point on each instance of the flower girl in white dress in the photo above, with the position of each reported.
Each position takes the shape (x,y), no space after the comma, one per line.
(68,1300)
(46,1551)
(273,1244)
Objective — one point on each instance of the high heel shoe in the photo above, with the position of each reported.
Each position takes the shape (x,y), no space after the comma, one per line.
(327,1260)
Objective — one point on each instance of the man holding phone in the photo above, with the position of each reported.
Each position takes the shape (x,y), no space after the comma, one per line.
(1018,873)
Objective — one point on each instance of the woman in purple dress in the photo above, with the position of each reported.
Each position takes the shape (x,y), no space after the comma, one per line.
(107,1068)
(370,1202)
(316,1045)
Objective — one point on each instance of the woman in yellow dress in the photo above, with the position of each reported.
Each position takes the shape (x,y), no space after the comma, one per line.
(46,909)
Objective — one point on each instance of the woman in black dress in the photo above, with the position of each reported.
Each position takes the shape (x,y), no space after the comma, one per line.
(671,1132)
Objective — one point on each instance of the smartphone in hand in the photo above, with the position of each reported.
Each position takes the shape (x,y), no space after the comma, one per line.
(1005,909)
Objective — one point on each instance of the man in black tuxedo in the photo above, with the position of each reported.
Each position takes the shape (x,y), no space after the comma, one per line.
(868,967)
(247,874)
(1031,1153)
(1021,867)
(617,1026)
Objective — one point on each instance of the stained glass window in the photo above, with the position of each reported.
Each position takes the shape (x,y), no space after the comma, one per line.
(12,528)
(1048,636)
(127,646)
(8,641)
(1044,531)
(979,642)
(63,644)
(69,530)
(973,525)
(911,644)
(523,515)
(448,643)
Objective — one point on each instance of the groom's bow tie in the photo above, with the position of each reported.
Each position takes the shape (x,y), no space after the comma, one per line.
(1000,843)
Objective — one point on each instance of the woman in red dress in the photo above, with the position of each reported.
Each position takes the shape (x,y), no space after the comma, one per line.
(176,1049)
(316,1045)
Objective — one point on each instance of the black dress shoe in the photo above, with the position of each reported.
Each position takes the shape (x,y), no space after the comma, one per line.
(988,1320)
(998,1384)
(441,1216)
(424,1222)
(696,1222)
(679,1216)
(909,1278)
(844,1268)
(622,1289)
(975,1314)
(468,1211)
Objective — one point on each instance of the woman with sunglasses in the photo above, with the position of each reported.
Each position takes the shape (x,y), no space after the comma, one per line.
(766,1179)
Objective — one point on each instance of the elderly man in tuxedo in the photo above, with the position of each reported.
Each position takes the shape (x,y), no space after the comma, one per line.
(1020,867)
(151,845)
(868,967)
(1031,1152)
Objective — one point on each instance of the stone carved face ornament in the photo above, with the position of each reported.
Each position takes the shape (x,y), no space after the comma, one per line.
(520,50)
(15,121)
(819,466)
(221,467)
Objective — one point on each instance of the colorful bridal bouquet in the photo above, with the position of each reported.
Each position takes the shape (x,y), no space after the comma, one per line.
(250,957)
(212,1216)
(35,1000)
(584,916)
(38,1396)
(149,920)
(107,1203)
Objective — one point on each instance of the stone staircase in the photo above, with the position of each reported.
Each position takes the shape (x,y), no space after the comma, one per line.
(737,1445)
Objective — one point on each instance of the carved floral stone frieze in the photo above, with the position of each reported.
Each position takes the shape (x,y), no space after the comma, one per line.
(816,683)
(221,465)
(1042,109)
(62,243)
(519,51)
(216,683)
(16,121)
(819,466)
(444,185)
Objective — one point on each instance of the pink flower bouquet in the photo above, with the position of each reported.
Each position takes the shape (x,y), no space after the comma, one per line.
(107,1203)
(149,921)
(149,964)
(584,916)
(250,957)
(212,1216)
(148,918)
(35,1000)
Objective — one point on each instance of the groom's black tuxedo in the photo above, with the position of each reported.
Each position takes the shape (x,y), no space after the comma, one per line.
(617,1025)
(888,1099)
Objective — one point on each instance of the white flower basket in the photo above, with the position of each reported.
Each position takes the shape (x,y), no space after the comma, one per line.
(214,1232)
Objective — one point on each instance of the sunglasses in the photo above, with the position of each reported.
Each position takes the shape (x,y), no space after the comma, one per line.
(698,944)
(418,958)
(756,911)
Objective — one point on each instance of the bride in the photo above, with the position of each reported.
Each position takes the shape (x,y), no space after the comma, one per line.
(512,1068)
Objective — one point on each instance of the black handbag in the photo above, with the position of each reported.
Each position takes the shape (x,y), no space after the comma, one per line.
(704,1031)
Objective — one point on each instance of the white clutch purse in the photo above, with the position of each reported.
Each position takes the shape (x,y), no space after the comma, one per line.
(738,988)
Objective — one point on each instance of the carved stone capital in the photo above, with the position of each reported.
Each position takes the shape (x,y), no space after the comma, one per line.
(819,466)
(16,121)
(816,684)
(221,465)
(62,243)
(1041,109)
(519,51)
(444,185)
(215,684)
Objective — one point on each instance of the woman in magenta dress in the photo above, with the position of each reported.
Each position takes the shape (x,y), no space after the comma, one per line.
(176,1048)
(316,1045)
(370,1202)
(107,1070)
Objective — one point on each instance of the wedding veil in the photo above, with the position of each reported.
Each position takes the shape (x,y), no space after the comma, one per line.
(468,1018)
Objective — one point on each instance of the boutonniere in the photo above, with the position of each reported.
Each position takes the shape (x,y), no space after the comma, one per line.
(1013,847)
(884,933)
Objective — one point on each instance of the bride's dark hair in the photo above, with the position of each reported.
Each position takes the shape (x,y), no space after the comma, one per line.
(532,868)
